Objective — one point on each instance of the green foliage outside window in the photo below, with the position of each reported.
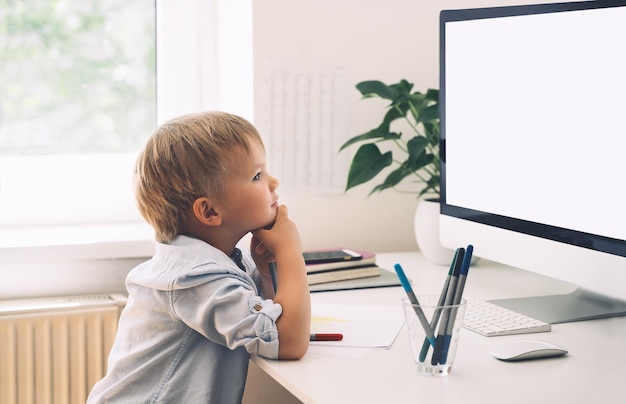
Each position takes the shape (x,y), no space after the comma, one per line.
(76,76)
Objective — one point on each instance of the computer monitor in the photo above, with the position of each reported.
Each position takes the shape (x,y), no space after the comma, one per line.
(533,147)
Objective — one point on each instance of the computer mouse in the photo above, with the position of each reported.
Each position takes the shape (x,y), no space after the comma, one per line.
(525,349)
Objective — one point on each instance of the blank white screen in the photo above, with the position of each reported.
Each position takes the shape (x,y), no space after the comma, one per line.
(535,125)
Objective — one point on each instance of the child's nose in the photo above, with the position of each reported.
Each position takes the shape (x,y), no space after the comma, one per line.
(274,183)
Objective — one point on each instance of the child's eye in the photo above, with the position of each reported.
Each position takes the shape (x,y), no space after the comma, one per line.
(257,177)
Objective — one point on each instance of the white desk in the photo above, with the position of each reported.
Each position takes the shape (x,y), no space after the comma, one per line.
(593,371)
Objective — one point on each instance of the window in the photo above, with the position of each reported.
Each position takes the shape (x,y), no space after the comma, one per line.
(78,95)
(84,83)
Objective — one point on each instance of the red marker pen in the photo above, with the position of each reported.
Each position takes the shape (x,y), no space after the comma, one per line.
(326,337)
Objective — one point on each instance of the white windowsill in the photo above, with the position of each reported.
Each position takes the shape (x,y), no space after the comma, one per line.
(76,242)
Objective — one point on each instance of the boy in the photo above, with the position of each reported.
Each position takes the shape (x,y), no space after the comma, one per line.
(199,307)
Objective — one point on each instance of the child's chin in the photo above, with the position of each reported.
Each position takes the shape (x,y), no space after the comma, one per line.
(269,224)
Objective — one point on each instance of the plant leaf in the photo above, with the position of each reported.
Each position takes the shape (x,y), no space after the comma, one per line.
(394,178)
(375,88)
(432,94)
(366,164)
(417,151)
(403,88)
(378,133)
(429,113)
(398,112)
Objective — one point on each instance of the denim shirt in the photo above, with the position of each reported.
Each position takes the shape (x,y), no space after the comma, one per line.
(190,324)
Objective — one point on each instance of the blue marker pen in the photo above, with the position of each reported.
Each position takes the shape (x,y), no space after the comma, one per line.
(413,299)
(458,295)
(440,342)
(272,267)
(437,314)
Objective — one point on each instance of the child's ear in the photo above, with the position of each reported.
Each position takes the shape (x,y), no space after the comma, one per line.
(204,212)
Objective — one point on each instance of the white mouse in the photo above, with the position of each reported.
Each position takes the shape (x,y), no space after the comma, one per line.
(527,349)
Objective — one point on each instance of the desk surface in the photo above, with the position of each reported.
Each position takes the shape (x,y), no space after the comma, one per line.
(593,371)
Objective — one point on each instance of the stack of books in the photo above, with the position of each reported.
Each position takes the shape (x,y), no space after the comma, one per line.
(344,269)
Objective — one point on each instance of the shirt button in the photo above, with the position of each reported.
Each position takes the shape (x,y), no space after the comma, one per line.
(258,307)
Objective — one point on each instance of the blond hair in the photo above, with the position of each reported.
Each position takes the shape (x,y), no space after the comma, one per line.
(184,159)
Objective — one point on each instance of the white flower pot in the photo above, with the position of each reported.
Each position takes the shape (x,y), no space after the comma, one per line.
(427,233)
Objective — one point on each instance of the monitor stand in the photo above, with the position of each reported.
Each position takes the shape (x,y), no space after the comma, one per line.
(579,305)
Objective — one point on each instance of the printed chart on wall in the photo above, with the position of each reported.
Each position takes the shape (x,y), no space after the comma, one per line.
(304,120)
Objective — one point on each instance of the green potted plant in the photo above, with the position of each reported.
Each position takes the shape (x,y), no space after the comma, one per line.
(411,162)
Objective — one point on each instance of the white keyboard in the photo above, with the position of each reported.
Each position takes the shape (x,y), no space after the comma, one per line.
(491,320)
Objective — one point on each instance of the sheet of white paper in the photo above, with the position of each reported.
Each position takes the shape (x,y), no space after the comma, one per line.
(361,326)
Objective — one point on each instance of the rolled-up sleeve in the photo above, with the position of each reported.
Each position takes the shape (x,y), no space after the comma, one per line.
(266,343)
(227,311)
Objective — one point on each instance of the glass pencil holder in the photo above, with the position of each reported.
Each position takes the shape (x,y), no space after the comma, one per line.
(434,331)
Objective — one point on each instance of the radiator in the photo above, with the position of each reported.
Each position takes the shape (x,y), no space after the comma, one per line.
(53,350)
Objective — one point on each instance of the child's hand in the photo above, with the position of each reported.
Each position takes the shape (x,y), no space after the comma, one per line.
(283,235)
(261,256)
